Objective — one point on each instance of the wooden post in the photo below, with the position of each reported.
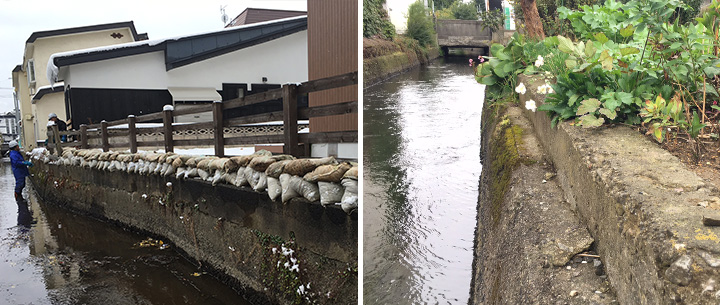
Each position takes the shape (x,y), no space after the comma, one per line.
(104,131)
(83,136)
(218,131)
(290,120)
(132,134)
(168,128)
(56,139)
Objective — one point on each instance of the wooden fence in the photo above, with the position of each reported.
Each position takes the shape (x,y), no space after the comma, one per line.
(290,115)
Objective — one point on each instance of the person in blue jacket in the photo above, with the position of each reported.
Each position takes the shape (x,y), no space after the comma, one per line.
(19,168)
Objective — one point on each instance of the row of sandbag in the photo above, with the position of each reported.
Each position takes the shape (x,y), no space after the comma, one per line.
(282,176)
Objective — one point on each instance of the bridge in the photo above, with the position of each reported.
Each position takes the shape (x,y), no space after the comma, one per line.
(462,34)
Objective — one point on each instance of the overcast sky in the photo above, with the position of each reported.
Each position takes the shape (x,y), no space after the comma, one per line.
(160,19)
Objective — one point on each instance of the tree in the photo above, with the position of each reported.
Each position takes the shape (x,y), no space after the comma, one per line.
(464,11)
(419,24)
(533,23)
(441,4)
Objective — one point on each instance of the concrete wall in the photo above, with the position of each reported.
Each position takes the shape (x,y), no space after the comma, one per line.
(462,33)
(642,206)
(379,68)
(231,231)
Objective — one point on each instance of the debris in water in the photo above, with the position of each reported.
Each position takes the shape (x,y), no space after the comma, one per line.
(149,242)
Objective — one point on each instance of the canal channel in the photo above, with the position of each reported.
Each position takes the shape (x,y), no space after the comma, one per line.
(57,257)
(421,170)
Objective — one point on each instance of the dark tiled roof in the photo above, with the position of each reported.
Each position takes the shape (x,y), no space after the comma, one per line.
(83,29)
(255,15)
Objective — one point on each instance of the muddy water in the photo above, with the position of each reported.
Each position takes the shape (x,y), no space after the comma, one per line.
(421,161)
(56,257)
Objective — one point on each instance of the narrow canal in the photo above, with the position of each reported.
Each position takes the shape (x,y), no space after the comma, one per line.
(422,166)
(57,257)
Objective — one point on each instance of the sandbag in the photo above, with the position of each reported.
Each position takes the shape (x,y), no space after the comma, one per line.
(240,180)
(203,174)
(349,199)
(330,192)
(352,173)
(262,182)
(275,169)
(225,164)
(328,173)
(273,187)
(230,177)
(309,190)
(261,163)
(180,172)
(252,176)
(218,177)
(301,167)
(191,173)
(288,187)
(178,162)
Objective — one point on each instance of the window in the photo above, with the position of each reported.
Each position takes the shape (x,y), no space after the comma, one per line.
(31,71)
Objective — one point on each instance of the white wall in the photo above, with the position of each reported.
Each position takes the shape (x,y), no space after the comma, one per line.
(282,60)
(143,71)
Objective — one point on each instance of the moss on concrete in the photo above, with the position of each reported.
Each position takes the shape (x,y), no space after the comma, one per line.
(505,156)
(383,59)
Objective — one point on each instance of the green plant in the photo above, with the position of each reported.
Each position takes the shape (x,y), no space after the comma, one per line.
(376,20)
(492,19)
(419,24)
(464,11)
(660,114)
(499,73)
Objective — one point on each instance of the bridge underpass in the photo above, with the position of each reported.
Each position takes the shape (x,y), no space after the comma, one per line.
(463,34)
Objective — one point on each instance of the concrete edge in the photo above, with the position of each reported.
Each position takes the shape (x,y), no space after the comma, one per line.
(642,206)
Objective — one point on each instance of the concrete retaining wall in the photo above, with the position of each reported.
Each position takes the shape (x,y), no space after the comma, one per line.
(642,206)
(229,230)
(379,68)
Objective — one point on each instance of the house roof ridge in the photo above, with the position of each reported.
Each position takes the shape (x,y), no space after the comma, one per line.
(82,29)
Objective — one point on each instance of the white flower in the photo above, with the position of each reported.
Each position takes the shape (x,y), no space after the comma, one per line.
(545,89)
(287,265)
(521,88)
(274,250)
(530,105)
(540,61)
(169,184)
(301,290)
(293,260)
(144,196)
(295,267)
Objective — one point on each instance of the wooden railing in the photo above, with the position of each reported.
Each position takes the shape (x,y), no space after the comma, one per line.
(290,115)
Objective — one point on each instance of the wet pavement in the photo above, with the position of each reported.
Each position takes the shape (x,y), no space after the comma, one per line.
(49,255)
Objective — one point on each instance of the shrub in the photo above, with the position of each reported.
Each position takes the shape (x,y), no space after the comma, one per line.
(419,24)
(376,22)
(464,11)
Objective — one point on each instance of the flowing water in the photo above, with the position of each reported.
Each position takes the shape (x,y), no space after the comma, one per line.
(51,256)
(422,166)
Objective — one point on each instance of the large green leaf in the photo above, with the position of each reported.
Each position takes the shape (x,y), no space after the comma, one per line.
(601,38)
(590,49)
(629,50)
(495,47)
(609,113)
(489,80)
(588,106)
(590,121)
(502,55)
(628,31)
(565,44)
(712,71)
(606,60)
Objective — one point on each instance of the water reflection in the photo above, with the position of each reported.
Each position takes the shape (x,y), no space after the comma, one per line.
(51,256)
(421,158)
